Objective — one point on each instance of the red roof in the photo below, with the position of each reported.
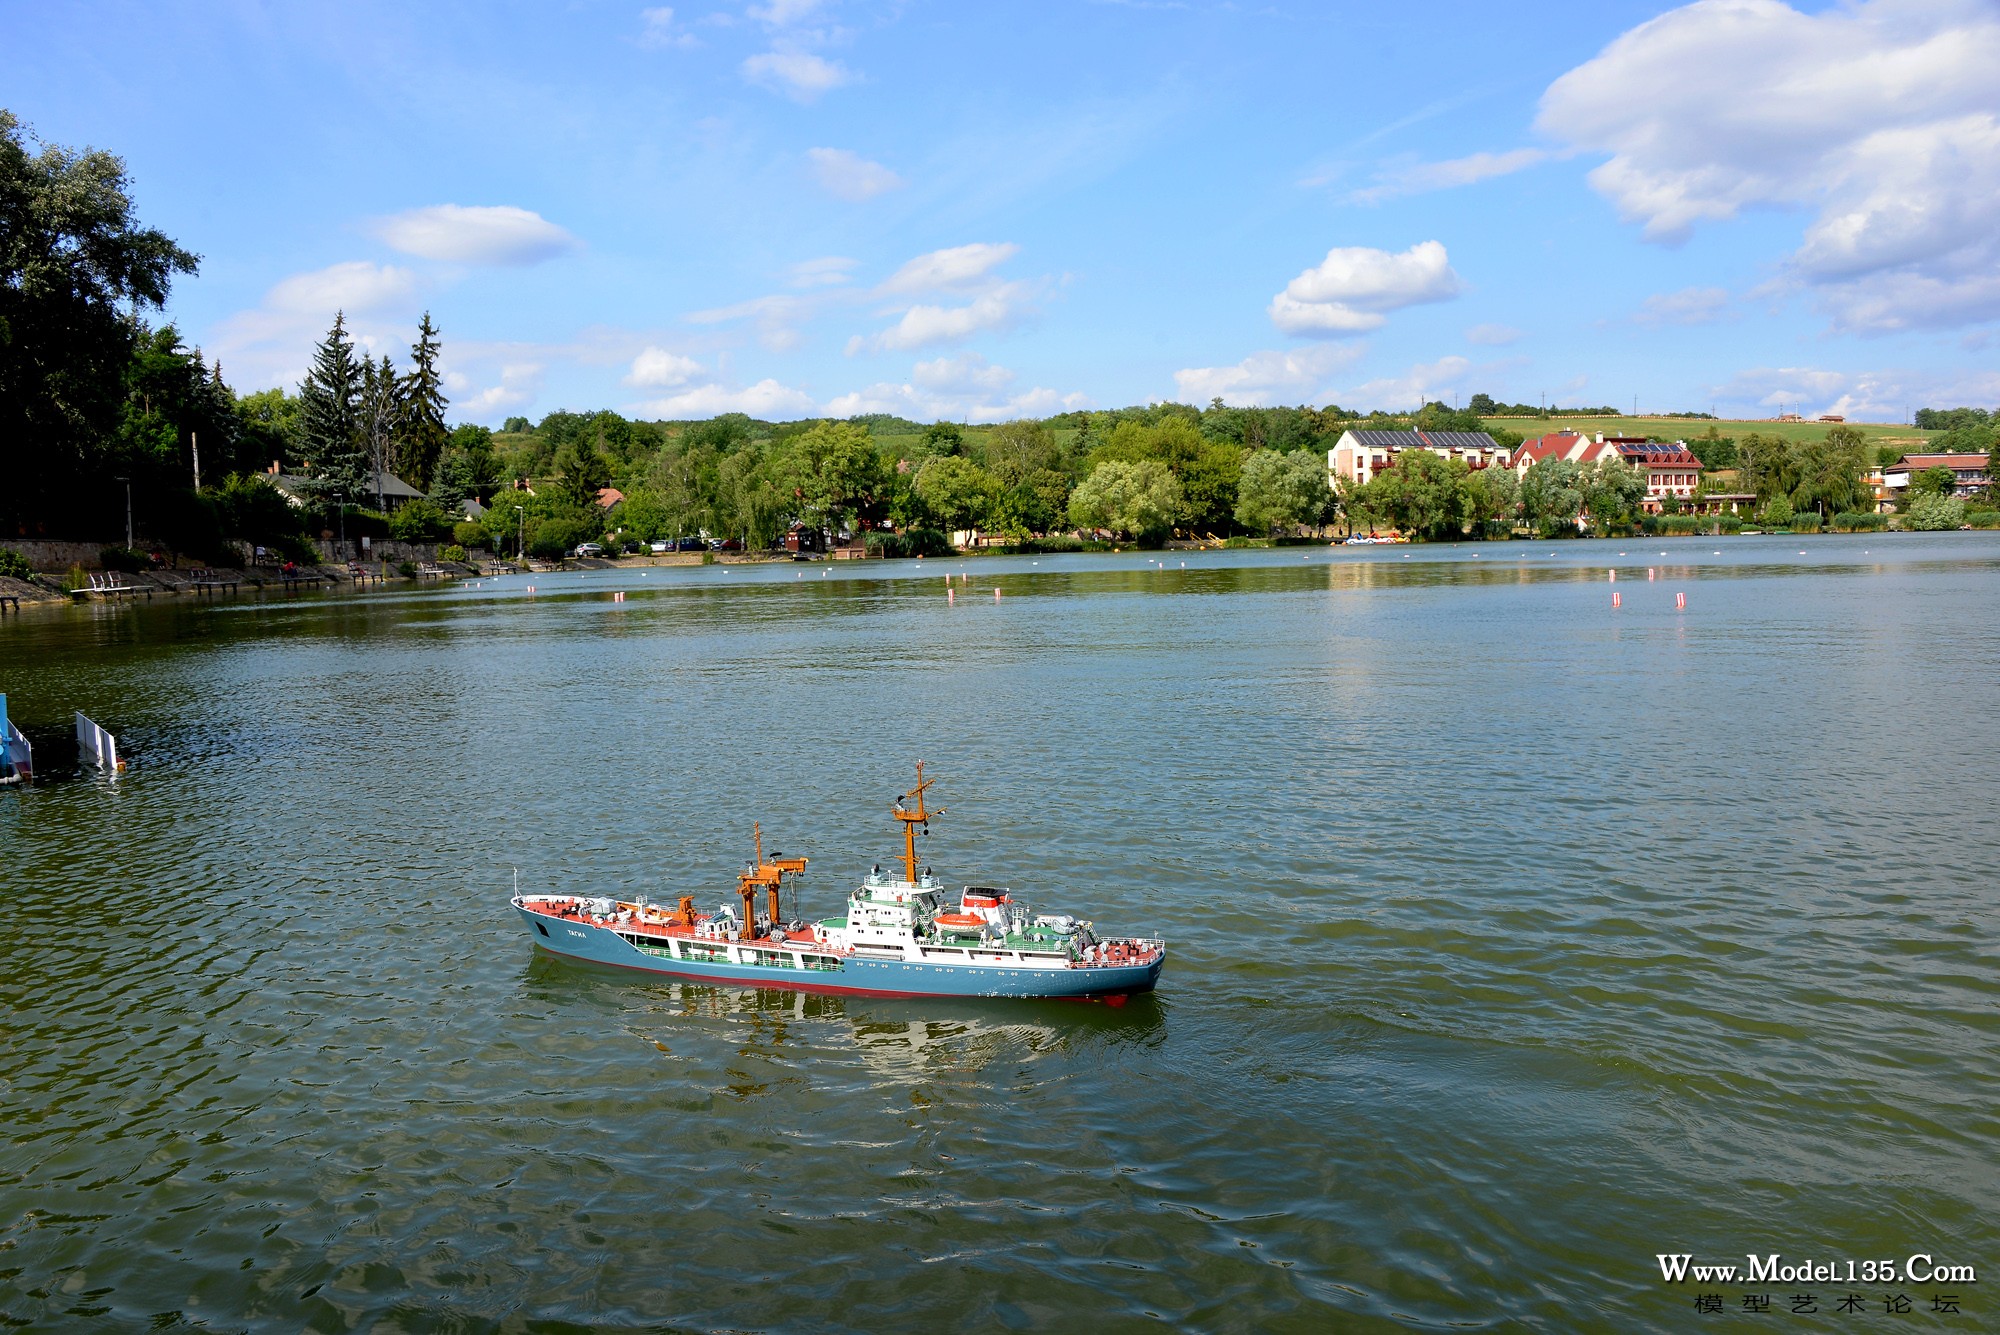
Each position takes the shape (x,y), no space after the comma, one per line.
(1919,462)
(608,497)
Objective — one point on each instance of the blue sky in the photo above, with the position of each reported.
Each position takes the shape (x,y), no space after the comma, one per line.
(985,211)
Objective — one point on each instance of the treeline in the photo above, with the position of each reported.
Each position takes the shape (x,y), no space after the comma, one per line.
(1137,472)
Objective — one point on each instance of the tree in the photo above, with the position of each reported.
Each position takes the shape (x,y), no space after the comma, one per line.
(1934,511)
(583,473)
(958,491)
(422,438)
(267,425)
(329,431)
(1612,492)
(1491,494)
(834,468)
(515,425)
(1482,405)
(1829,474)
(75,269)
(1134,499)
(380,409)
(1938,481)
(1423,494)
(1280,491)
(1552,495)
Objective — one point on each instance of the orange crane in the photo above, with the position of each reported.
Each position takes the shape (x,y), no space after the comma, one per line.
(771,876)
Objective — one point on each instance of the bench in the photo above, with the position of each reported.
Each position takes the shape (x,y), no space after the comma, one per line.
(361,574)
(294,578)
(429,571)
(107,586)
(203,579)
(6,598)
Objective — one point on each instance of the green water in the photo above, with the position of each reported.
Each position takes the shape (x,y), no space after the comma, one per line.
(1514,940)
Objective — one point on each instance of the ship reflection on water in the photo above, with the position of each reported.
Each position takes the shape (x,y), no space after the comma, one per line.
(900,1039)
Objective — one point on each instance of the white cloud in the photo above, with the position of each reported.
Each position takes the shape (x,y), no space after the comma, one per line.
(766,399)
(1689,306)
(777,318)
(271,343)
(1492,335)
(922,326)
(973,399)
(476,235)
(658,367)
(827,271)
(356,287)
(519,383)
(1263,378)
(955,267)
(1421,177)
(657,30)
(847,175)
(783,13)
(1888,395)
(1423,382)
(1355,288)
(799,75)
(1879,116)
(968,372)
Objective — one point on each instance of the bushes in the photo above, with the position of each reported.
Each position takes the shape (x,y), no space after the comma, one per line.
(125,559)
(1805,521)
(14,565)
(419,521)
(1933,513)
(1854,522)
(451,553)
(466,533)
(1983,518)
(915,542)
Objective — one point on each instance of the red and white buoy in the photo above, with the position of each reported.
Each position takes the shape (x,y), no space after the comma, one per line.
(1614,600)
(1680,602)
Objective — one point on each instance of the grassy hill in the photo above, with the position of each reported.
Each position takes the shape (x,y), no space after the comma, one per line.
(1681,428)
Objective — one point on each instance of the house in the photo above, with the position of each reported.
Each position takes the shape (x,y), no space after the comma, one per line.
(391,490)
(1359,455)
(1672,470)
(607,497)
(1968,473)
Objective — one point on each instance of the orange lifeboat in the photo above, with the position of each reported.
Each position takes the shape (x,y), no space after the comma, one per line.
(982,902)
(960,920)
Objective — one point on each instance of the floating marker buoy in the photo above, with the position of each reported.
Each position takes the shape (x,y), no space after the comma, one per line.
(1649,572)
(531,588)
(1614,577)
(1680,601)
(996,595)
(618,596)
(950,596)
(1614,600)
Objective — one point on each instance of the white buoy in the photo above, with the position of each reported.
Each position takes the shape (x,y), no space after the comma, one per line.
(1680,601)
(1614,599)
(996,595)
(951,595)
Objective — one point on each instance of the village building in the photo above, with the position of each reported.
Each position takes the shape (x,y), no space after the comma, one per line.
(1672,471)
(1968,471)
(1359,455)
(391,491)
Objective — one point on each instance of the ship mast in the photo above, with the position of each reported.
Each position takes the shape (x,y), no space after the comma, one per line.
(911,819)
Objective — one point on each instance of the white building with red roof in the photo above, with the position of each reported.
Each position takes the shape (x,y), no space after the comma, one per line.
(1359,455)
(1671,468)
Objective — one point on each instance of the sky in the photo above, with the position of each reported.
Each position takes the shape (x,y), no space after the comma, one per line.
(986,211)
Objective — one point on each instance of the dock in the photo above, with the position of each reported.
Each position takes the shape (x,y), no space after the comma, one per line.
(207,581)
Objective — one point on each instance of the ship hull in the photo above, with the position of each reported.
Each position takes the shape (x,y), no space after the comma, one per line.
(851,976)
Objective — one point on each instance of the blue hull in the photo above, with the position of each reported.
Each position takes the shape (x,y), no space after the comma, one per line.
(850,976)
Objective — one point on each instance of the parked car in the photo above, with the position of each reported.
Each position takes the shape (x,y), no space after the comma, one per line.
(588,549)
(689,545)
(729,545)
(660,547)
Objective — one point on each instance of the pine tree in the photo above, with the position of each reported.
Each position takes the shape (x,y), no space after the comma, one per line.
(423,434)
(381,416)
(329,436)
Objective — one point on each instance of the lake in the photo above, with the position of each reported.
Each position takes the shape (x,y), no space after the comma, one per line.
(1514,940)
